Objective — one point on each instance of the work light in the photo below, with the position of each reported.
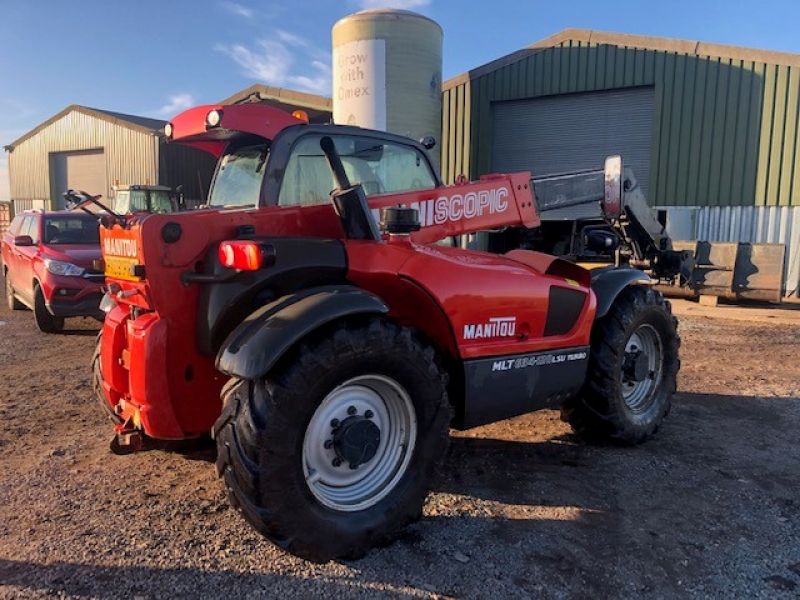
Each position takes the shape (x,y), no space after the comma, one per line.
(213,118)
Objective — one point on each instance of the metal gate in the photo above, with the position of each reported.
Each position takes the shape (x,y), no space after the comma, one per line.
(558,134)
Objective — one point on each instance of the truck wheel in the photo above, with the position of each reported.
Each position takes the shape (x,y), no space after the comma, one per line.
(333,452)
(632,373)
(11,299)
(46,322)
(97,383)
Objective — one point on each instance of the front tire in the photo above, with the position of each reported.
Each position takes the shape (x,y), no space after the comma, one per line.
(46,322)
(333,452)
(11,299)
(632,373)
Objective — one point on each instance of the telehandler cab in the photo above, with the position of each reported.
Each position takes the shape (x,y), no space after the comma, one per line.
(328,340)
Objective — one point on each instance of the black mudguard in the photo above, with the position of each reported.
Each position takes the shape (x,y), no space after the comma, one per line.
(254,347)
(607,283)
(300,263)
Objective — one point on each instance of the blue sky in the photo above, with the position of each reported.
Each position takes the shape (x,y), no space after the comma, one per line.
(156,57)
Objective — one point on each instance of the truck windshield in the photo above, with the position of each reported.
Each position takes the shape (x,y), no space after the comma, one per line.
(71,230)
(131,201)
(238,180)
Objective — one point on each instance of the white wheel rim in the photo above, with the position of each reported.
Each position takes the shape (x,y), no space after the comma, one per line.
(640,395)
(390,409)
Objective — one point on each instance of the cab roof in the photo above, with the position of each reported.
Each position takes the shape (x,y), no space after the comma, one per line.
(190,127)
(138,187)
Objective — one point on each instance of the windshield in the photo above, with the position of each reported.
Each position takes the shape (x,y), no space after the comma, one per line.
(238,181)
(71,230)
(131,201)
(122,202)
(160,202)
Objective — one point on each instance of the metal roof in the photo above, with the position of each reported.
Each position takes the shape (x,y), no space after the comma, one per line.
(137,123)
(281,95)
(319,108)
(147,122)
(627,40)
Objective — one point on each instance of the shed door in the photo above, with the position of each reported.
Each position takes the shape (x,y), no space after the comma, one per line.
(558,134)
(83,170)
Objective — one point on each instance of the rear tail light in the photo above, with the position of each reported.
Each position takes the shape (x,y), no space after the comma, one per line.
(245,255)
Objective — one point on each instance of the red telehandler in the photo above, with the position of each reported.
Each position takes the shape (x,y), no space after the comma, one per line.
(328,340)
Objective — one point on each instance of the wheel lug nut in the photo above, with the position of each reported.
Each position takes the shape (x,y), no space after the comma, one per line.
(369,414)
(337,462)
(334,423)
(351,410)
(328,444)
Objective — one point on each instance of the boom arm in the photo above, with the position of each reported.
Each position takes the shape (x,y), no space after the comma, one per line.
(494,202)
(579,197)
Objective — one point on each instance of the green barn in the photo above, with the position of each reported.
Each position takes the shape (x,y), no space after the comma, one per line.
(711,131)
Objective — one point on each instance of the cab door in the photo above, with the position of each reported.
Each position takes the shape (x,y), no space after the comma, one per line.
(25,256)
(15,256)
(9,252)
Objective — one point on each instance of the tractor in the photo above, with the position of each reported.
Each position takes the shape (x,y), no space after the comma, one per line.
(328,340)
(146,198)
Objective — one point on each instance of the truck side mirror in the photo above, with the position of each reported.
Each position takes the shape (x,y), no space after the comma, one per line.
(612,196)
(428,142)
(23,240)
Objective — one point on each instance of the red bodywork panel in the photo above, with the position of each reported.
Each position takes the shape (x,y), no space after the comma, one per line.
(152,368)
(189,127)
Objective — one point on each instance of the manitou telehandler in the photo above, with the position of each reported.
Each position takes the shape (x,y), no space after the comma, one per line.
(328,339)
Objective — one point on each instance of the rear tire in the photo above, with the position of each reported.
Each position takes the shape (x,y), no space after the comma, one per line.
(632,373)
(97,383)
(11,299)
(270,432)
(46,322)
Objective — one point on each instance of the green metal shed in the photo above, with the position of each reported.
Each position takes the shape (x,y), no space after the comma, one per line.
(709,125)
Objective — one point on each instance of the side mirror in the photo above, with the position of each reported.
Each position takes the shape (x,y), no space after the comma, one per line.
(23,240)
(612,196)
(428,142)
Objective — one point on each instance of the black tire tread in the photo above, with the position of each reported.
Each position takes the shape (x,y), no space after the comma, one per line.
(593,413)
(46,322)
(97,382)
(254,432)
(11,299)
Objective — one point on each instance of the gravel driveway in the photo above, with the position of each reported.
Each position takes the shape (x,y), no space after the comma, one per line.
(707,508)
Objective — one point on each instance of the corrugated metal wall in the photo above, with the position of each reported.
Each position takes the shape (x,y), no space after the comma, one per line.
(754,224)
(726,131)
(191,168)
(131,155)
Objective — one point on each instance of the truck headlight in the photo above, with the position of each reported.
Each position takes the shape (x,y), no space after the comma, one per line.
(57,267)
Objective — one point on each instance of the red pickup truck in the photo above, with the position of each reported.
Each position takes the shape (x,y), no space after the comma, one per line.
(49,265)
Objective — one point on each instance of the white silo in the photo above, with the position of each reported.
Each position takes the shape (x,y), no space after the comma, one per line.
(387,73)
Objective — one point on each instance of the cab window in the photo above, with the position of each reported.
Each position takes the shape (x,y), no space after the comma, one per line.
(30,226)
(160,202)
(380,167)
(13,229)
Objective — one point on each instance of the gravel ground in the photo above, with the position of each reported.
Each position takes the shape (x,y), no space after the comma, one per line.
(707,508)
